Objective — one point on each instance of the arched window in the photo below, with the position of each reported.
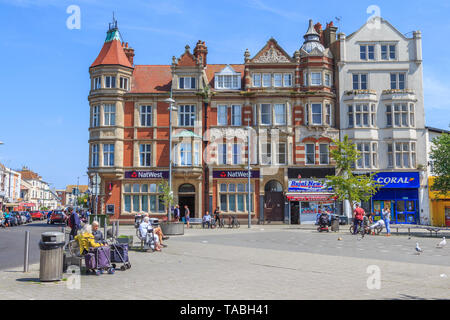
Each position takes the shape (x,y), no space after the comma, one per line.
(273,186)
(186,188)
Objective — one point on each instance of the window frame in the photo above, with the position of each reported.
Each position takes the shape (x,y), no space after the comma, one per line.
(192,115)
(145,155)
(146,115)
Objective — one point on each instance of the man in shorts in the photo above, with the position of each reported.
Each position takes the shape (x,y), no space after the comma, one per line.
(186,215)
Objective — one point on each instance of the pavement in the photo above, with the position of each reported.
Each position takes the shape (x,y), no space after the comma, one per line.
(264,262)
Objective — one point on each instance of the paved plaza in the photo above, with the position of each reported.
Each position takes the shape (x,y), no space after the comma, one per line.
(265,262)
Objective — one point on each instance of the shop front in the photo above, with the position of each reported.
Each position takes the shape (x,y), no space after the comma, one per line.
(230,192)
(439,206)
(308,195)
(400,193)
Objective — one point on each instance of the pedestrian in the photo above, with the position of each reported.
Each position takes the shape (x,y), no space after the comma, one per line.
(358,218)
(98,235)
(206,220)
(217,217)
(186,215)
(74,223)
(387,220)
(177,213)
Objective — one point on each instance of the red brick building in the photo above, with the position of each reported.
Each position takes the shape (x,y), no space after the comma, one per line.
(288,101)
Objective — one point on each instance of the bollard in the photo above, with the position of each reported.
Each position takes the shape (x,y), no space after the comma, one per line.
(112,229)
(105,229)
(117,229)
(27,251)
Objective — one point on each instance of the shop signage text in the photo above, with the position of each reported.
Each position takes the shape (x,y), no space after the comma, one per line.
(398,179)
(309,186)
(147,175)
(235,174)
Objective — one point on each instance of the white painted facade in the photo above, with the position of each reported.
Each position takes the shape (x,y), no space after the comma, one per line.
(377,112)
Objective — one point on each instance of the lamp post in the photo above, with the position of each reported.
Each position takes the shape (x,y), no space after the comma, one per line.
(249,175)
(171,103)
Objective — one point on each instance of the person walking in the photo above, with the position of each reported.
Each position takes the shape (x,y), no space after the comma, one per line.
(217,217)
(186,215)
(387,220)
(177,213)
(74,223)
(358,218)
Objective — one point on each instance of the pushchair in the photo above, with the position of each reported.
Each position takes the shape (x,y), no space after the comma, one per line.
(98,260)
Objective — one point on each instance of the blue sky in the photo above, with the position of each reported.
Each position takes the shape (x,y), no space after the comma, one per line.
(44,110)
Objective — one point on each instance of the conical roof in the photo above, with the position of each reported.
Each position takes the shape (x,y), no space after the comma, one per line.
(112,52)
(312,39)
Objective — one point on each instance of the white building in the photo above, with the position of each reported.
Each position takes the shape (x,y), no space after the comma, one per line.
(382,111)
(10,181)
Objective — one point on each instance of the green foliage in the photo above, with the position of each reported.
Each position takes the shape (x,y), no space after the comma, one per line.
(440,155)
(167,195)
(347,185)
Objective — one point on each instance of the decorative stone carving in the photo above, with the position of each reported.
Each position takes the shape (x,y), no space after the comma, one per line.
(272,56)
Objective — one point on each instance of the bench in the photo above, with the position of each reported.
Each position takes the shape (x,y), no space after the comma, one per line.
(195,221)
(428,228)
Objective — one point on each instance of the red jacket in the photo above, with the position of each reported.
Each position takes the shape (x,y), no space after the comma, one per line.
(359,213)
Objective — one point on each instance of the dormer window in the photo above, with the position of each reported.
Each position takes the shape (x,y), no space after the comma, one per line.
(227,78)
(187,83)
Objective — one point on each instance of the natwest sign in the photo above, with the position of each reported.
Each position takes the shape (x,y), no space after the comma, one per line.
(146,174)
(225,174)
(398,179)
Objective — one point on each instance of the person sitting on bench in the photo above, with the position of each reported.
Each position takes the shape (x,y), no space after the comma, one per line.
(158,231)
(206,220)
(145,229)
(86,239)
(98,235)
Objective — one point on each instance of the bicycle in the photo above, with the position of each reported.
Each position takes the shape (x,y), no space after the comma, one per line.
(233,222)
(362,230)
(215,225)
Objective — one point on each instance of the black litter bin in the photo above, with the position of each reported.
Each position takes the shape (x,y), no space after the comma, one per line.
(334,223)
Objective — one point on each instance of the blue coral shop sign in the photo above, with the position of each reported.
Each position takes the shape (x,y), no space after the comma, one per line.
(398,179)
(309,186)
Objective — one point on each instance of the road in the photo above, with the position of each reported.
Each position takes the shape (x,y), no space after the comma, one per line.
(12,243)
(266,262)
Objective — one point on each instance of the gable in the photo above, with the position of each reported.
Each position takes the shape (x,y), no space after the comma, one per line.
(385,32)
(272,53)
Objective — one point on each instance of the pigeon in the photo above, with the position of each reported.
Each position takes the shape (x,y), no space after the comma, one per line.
(442,243)
(418,249)
(339,239)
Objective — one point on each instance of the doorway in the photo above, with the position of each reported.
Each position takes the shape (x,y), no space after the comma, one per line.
(273,201)
(186,196)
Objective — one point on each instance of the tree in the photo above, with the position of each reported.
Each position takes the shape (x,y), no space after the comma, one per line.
(347,185)
(440,155)
(167,196)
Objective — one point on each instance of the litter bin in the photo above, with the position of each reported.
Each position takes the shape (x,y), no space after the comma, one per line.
(51,261)
(334,223)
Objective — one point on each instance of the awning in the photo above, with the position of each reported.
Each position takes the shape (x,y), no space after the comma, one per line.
(311,197)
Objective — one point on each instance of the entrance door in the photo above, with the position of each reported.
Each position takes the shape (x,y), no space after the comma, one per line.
(405,211)
(295,212)
(273,201)
(186,196)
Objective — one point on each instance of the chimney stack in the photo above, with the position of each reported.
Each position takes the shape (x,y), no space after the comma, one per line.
(330,34)
(201,50)
(129,52)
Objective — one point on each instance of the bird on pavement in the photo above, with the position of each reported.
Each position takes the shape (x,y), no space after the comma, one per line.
(339,239)
(418,249)
(441,244)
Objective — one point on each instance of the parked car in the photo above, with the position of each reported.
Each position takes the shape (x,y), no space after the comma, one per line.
(37,215)
(57,217)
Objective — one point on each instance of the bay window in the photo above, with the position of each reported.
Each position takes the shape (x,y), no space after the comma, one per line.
(109,111)
(267,80)
(257,79)
(95,153)
(280,114)
(110,82)
(316,78)
(316,113)
(108,155)
(97,83)
(400,115)
(266,114)
(95,116)
(402,155)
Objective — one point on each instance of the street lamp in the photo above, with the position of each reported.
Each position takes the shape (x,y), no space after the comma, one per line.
(249,175)
(171,103)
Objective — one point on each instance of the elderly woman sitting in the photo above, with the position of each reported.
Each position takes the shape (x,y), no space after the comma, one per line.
(146,231)
(86,239)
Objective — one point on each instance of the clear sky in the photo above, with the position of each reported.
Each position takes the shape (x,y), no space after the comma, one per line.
(44,83)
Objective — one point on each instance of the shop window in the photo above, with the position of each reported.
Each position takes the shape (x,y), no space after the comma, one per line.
(142,198)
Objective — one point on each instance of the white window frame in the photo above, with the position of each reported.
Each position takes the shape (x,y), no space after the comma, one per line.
(146,115)
(108,155)
(237,154)
(183,84)
(266,153)
(280,80)
(96,116)
(400,111)
(266,77)
(327,153)
(312,114)
(145,155)
(287,80)
(359,82)
(95,155)
(124,83)
(236,115)
(268,113)
(222,157)
(395,84)
(97,83)
(367,56)
(276,107)
(309,153)
(109,115)
(388,51)
(182,113)
(280,153)
(257,80)
(234,80)
(110,82)
(185,151)
(316,81)
(222,115)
